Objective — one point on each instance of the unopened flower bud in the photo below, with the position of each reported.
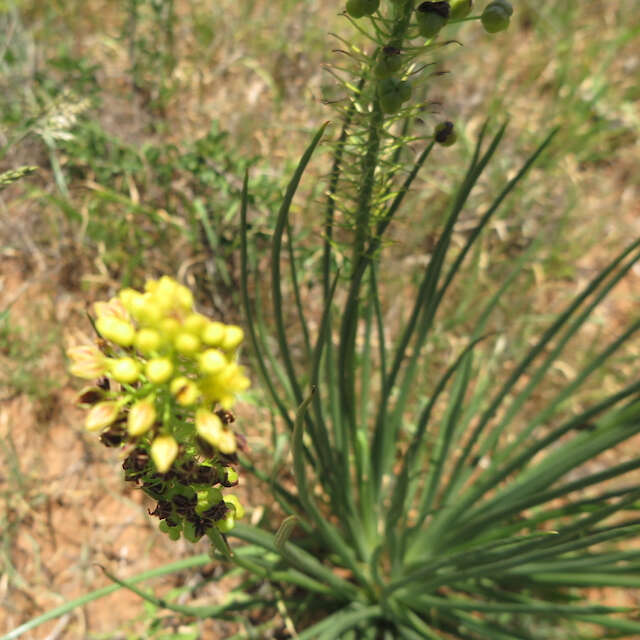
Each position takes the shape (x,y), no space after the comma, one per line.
(164,450)
(212,361)
(209,426)
(195,323)
(102,415)
(184,298)
(116,330)
(432,16)
(496,16)
(186,343)
(185,391)
(445,134)
(233,336)
(125,370)
(147,341)
(227,442)
(213,334)
(141,417)
(159,370)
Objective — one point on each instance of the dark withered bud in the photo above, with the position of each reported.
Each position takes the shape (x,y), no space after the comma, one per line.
(217,512)
(114,436)
(91,395)
(225,416)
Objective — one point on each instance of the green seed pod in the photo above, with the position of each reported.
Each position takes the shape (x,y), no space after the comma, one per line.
(445,134)
(360,8)
(460,9)
(393,93)
(496,16)
(432,16)
(389,62)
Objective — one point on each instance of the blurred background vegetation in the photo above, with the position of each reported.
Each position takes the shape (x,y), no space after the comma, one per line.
(142,117)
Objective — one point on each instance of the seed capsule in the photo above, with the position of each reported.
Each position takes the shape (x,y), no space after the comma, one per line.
(360,8)
(460,9)
(432,16)
(496,16)
(393,93)
(445,134)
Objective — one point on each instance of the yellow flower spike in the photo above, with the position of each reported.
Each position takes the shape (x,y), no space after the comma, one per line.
(212,362)
(102,415)
(209,426)
(118,331)
(227,443)
(87,362)
(147,341)
(213,334)
(233,336)
(159,370)
(195,323)
(125,370)
(164,450)
(186,343)
(184,298)
(235,503)
(186,391)
(141,417)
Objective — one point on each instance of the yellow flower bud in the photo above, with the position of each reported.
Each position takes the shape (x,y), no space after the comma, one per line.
(227,442)
(164,450)
(169,327)
(184,298)
(195,323)
(226,401)
(147,341)
(233,502)
(185,391)
(159,370)
(125,370)
(102,415)
(233,336)
(87,361)
(116,330)
(213,334)
(212,361)
(141,417)
(149,313)
(186,343)
(209,426)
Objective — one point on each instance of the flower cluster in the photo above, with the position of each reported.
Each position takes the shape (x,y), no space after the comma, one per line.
(166,381)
